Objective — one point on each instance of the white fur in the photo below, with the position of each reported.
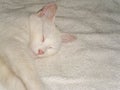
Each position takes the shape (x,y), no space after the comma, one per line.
(42,26)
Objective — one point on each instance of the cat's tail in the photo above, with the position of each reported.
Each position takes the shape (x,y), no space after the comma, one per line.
(8,79)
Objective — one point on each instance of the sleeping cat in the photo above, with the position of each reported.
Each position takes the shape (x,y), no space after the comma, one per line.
(17,69)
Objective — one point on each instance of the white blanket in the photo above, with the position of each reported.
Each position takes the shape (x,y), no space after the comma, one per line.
(92,62)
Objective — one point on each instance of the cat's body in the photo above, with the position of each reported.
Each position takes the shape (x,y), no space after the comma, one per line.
(34,36)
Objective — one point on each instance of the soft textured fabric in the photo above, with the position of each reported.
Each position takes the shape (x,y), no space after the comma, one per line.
(92,62)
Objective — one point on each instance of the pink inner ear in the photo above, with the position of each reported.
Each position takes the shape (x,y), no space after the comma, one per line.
(68,38)
(48,11)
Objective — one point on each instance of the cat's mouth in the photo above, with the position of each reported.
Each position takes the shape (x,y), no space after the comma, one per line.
(40,53)
(43,54)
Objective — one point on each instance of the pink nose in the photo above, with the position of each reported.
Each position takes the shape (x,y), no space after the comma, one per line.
(40,52)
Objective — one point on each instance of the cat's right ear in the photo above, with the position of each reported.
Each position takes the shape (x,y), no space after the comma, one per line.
(48,11)
(66,37)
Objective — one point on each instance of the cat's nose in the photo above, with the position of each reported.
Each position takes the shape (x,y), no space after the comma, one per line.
(40,52)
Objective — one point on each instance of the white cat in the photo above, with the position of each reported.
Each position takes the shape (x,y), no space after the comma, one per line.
(45,38)
(17,69)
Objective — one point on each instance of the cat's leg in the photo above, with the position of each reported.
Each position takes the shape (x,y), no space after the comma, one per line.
(8,79)
(23,65)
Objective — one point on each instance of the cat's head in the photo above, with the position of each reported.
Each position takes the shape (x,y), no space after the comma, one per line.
(45,38)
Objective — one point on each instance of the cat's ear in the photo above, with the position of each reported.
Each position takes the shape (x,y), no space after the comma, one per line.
(48,11)
(66,37)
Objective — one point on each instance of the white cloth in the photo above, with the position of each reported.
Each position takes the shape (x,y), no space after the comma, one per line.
(92,62)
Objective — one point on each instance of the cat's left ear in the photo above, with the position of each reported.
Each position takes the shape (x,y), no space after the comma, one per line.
(48,11)
(66,37)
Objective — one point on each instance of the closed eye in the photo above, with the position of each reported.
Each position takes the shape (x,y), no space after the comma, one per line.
(50,47)
(43,38)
